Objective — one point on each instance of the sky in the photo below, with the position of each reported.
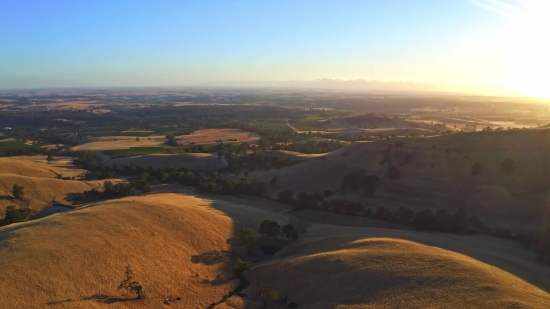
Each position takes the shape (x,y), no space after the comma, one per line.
(482,46)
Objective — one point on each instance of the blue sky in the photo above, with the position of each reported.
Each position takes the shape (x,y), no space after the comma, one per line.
(171,43)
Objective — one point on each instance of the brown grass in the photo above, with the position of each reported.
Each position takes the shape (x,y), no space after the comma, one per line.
(166,238)
(76,260)
(350,272)
(37,166)
(508,200)
(40,193)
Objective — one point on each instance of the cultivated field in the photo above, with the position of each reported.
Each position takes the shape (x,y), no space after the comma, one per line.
(210,136)
(199,137)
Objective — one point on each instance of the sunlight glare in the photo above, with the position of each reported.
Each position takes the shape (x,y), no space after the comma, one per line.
(529,45)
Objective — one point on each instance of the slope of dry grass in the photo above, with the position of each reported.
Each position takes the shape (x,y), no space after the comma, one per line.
(441,177)
(40,193)
(353,272)
(192,161)
(79,254)
(37,166)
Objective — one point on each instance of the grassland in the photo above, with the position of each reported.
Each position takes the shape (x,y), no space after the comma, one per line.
(308,125)
(14,146)
(175,244)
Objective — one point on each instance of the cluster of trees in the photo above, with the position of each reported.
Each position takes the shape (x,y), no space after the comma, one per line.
(14,215)
(87,160)
(256,160)
(360,180)
(311,146)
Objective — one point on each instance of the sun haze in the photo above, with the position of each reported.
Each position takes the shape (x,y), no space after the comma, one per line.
(478,46)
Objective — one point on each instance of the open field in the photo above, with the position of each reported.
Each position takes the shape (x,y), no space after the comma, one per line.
(192,161)
(37,166)
(211,136)
(174,244)
(199,137)
(119,142)
(13,146)
(308,125)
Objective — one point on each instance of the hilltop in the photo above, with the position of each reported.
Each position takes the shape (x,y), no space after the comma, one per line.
(178,246)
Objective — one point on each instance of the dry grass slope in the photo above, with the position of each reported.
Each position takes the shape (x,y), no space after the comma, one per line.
(65,259)
(392,273)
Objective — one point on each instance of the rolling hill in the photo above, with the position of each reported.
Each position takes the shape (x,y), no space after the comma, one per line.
(439,175)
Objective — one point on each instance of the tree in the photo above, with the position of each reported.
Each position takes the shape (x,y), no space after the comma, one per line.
(18,191)
(274,180)
(267,294)
(290,232)
(49,158)
(14,215)
(476,169)
(507,166)
(241,267)
(130,285)
(285,196)
(137,138)
(269,229)
(247,237)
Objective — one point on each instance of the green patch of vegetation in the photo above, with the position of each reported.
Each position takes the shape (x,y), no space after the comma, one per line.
(15,146)
(308,125)
(281,126)
(134,151)
(177,150)
(119,133)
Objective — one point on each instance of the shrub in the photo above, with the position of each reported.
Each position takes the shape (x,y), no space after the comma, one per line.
(241,267)
(476,169)
(130,285)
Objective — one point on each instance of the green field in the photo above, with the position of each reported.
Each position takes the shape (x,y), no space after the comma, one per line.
(281,126)
(308,125)
(134,151)
(176,150)
(119,133)
(12,146)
